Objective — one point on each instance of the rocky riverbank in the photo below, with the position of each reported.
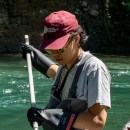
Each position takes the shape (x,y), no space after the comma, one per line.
(25,17)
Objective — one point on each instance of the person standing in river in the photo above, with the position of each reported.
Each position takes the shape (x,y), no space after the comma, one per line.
(80,95)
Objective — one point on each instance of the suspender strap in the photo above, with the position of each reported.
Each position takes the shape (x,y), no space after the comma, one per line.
(62,85)
(55,85)
(59,89)
(58,77)
(72,90)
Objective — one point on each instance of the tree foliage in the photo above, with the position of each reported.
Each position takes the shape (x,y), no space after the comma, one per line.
(120,20)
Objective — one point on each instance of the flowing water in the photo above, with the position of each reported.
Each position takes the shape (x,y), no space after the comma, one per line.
(15,96)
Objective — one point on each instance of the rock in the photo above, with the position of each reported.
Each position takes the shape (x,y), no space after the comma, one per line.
(96,7)
(94,13)
(76,12)
(84,4)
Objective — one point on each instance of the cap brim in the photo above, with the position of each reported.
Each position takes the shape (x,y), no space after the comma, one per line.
(54,43)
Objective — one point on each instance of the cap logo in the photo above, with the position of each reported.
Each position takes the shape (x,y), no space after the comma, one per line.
(46,30)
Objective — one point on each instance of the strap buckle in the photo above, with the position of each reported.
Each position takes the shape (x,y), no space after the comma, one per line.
(72,92)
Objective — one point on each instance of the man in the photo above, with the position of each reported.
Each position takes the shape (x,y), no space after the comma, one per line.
(83,106)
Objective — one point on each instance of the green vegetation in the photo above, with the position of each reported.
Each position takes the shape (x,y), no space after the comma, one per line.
(120,20)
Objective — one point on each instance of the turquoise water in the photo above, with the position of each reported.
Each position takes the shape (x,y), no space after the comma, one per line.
(15,97)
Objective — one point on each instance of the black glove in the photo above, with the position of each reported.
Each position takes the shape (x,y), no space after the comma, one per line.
(57,119)
(39,60)
(26,49)
(33,114)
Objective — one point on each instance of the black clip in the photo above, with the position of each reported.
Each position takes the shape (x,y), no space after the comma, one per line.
(72,93)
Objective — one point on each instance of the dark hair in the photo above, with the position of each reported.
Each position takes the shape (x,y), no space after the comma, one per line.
(82,33)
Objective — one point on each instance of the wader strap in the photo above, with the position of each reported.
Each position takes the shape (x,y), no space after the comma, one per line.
(59,89)
(72,90)
(59,75)
(56,89)
(62,85)
(54,86)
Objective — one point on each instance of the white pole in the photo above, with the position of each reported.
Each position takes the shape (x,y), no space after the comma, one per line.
(32,94)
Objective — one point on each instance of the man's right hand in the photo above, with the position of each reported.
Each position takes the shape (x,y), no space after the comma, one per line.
(26,49)
(40,61)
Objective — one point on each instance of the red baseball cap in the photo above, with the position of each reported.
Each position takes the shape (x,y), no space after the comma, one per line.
(57,29)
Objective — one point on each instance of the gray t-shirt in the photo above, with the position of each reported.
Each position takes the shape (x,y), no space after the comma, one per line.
(93,85)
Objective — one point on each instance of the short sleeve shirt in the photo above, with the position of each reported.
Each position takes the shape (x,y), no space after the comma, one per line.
(93,84)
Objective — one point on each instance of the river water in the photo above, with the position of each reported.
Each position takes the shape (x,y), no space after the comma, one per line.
(15,97)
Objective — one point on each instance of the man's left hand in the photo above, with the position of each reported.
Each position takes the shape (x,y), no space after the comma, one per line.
(58,119)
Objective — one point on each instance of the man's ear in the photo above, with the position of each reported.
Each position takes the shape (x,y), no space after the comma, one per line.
(77,39)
